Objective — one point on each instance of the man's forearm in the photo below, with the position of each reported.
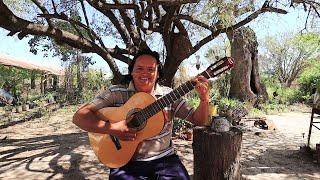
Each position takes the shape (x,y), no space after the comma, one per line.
(201,114)
(88,121)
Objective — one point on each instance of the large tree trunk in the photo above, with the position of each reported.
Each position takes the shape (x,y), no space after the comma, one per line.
(245,80)
(216,155)
(180,50)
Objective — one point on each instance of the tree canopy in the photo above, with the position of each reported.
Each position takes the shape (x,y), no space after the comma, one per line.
(287,56)
(116,30)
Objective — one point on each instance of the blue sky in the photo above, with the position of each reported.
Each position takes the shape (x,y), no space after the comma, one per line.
(270,24)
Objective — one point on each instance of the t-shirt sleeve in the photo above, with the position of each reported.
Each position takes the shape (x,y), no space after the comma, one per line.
(103,99)
(182,109)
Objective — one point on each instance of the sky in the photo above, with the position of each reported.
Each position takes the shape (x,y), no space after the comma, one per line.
(270,24)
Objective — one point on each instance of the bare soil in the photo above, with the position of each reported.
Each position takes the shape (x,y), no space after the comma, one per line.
(52,147)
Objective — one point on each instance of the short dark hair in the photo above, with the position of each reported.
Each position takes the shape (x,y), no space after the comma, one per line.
(145,52)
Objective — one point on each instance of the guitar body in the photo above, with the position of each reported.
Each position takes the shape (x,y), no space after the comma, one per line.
(102,144)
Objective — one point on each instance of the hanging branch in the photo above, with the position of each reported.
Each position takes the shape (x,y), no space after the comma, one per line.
(134,35)
(120,27)
(44,11)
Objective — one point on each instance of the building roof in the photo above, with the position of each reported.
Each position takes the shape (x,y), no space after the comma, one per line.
(26,64)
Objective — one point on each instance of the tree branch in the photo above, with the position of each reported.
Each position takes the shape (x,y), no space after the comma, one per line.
(119,6)
(312,5)
(139,25)
(181,28)
(254,15)
(54,6)
(167,29)
(152,27)
(74,23)
(120,27)
(130,27)
(86,18)
(194,21)
(43,10)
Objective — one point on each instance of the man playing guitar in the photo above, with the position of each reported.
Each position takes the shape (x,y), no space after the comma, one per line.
(154,157)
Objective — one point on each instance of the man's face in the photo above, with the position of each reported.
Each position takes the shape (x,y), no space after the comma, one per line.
(145,73)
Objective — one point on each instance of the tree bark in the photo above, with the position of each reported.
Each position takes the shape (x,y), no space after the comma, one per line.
(245,80)
(216,155)
(180,50)
(42,83)
(79,75)
(33,80)
(55,82)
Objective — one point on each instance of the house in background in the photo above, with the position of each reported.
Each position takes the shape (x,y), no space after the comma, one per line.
(42,77)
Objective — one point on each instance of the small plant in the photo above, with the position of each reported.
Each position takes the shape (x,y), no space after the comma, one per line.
(232,109)
(50,97)
(181,126)
(254,112)
(271,108)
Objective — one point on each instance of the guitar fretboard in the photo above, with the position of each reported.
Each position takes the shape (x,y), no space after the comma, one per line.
(166,100)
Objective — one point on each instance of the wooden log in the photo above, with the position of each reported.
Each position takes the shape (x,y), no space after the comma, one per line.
(216,155)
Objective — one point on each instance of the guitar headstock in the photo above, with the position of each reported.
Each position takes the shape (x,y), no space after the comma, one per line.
(218,67)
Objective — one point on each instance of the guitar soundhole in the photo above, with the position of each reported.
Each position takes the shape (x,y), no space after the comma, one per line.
(134,121)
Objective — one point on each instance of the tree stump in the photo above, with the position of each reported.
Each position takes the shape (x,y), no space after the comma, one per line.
(216,155)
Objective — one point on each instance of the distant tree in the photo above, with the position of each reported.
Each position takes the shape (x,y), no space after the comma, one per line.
(285,57)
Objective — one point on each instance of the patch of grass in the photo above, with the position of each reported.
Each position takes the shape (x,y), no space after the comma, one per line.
(69,108)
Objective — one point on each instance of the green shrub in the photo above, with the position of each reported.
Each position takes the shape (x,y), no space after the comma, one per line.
(180,126)
(310,79)
(232,109)
(271,108)
(255,112)
(286,95)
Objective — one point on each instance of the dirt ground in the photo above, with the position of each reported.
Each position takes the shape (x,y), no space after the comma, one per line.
(52,147)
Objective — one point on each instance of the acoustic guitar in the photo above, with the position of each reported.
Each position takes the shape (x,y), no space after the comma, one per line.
(144,113)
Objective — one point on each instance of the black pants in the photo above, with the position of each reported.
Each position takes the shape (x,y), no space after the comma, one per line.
(169,167)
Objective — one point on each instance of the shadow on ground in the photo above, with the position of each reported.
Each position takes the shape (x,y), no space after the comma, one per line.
(51,155)
(276,155)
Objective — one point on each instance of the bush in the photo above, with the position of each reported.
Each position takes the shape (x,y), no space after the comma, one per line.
(255,112)
(283,95)
(310,80)
(232,109)
(287,95)
(271,108)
